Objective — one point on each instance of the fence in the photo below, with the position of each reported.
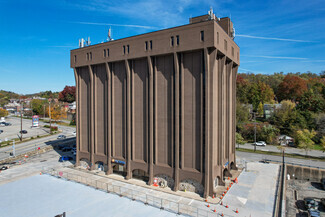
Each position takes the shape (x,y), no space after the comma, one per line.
(135,195)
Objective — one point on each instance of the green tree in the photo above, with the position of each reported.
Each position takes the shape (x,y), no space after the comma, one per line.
(305,139)
(38,106)
(322,143)
(311,101)
(260,110)
(239,139)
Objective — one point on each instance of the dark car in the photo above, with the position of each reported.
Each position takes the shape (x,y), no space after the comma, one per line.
(61,146)
(62,137)
(3,168)
(5,123)
(1,131)
(65,149)
(64,158)
(310,203)
(322,181)
(23,131)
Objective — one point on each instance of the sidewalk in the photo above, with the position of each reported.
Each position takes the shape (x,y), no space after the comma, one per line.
(288,150)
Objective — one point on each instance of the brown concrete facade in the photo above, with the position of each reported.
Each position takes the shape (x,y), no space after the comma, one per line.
(163,103)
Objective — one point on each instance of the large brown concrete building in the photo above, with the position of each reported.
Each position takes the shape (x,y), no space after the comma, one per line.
(160,105)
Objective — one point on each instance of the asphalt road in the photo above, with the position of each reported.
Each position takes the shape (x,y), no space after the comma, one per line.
(289,150)
(251,157)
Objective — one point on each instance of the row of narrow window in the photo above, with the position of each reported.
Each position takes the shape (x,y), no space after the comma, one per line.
(172,41)
(148,46)
(89,56)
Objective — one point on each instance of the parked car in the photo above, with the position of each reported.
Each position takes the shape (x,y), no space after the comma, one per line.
(260,143)
(310,203)
(313,213)
(74,133)
(323,201)
(65,149)
(73,150)
(64,158)
(5,123)
(62,137)
(4,168)
(61,146)
(323,182)
(23,131)
(1,131)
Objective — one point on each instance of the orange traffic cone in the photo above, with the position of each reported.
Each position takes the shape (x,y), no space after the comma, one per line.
(40,173)
(220,197)
(228,178)
(214,210)
(227,188)
(206,200)
(208,205)
(227,206)
(223,194)
(237,210)
(213,196)
(221,214)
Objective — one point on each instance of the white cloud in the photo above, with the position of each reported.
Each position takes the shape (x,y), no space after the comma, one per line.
(113,24)
(276,57)
(270,38)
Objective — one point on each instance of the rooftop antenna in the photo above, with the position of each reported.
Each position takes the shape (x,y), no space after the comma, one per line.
(109,35)
(88,42)
(212,16)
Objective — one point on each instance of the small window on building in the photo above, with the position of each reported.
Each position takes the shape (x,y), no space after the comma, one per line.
(107,52)
(128,47)
(146,45)
(150,45)
(75,58)
(172,41)
(232,51)
(225,42)
(202,35)
(217,37)
(177,40)
(123,49)
(87,56)
(90,56)
(104,53)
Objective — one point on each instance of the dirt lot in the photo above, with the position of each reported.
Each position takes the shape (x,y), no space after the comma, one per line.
(296,191)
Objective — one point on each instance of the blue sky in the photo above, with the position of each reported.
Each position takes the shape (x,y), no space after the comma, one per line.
(36,36)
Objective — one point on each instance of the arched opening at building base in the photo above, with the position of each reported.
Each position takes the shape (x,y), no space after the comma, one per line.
(140,175)
(165,181)
(192,186)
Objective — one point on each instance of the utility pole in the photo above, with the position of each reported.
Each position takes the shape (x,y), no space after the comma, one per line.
(44,111)
(50,114)
(254,113)
(21,120)
(13,148)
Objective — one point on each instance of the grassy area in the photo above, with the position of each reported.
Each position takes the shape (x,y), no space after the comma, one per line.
(17,141)
(280,154)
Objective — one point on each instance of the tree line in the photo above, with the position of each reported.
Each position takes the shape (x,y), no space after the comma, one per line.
(298,108)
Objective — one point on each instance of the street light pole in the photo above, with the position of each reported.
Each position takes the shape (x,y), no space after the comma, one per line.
(254,131)
(50,115)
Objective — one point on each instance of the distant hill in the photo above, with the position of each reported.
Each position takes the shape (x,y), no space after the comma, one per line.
(5,96)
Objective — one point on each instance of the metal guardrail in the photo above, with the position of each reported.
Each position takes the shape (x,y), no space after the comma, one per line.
(135,195)
(297,164)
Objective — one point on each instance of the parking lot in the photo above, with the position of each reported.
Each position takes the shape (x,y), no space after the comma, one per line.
(10,132)
(297,191)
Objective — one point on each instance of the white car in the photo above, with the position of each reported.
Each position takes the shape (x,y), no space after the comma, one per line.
(62,137)
(260,143)
(74,133)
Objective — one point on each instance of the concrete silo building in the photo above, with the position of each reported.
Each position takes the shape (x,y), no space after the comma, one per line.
(161,105)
